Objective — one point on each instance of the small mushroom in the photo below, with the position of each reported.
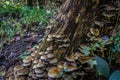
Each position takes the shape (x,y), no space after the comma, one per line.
(58,36)
(26,64)
(43,57)
(66,45)
(60,64)
(53,61)
(39,71)
(27,59)
(49,39)
(50,48)
(35,61)
(50,56)
(68,67)
(47,52)
(22,72)
(66,40)
(34,66)
(50,36)
(71,57)
(40,75)
(40,64)
(18,67)
(55,72)
(20,78)
(34,55)
(49,26)
(41,53)
(85,59)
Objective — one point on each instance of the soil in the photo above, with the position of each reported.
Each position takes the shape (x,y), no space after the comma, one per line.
(11,51)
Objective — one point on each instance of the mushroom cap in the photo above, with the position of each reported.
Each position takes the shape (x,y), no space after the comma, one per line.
(35,66)
(39,71)
(43,57)
(49,26)
(40,75)
(34,54)
(66,45)
(71,57)
(18,67)
(26,64)
(50,36)
(41,53)
(19,78)
(59,36)
(59,41)
(66,40)
(53,61)
(47,52)
(27,59)
(54,35)
(50,55)
(50,48)
(22,72)
(40,64)
(85,59)
(35,61)
(49,39)
(61,64)
(55,72)
(68,67)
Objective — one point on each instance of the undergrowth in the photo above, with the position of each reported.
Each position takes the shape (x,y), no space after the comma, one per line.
(16,17)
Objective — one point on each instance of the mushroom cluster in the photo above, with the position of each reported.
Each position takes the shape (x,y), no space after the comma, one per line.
(19,73)
(46,65)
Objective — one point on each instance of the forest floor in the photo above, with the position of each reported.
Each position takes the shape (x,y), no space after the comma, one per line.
(18,48)
(16,39)
(11,51)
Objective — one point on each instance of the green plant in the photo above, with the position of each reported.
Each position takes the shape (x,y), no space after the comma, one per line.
(86,50)
(33,15)
(104,69)
(115,75)
(8,8)
(9,29)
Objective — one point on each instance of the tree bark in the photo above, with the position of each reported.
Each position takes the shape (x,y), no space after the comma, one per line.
(74,21)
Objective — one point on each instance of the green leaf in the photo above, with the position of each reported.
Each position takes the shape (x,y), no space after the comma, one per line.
(102,66)
(115,75)
(85,50)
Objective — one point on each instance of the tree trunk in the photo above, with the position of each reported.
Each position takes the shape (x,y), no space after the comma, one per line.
(74,21)
(29,3)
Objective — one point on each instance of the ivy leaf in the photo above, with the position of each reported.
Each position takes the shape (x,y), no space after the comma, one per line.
(85,50)
(117,48)
(102,66)
(115,75)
